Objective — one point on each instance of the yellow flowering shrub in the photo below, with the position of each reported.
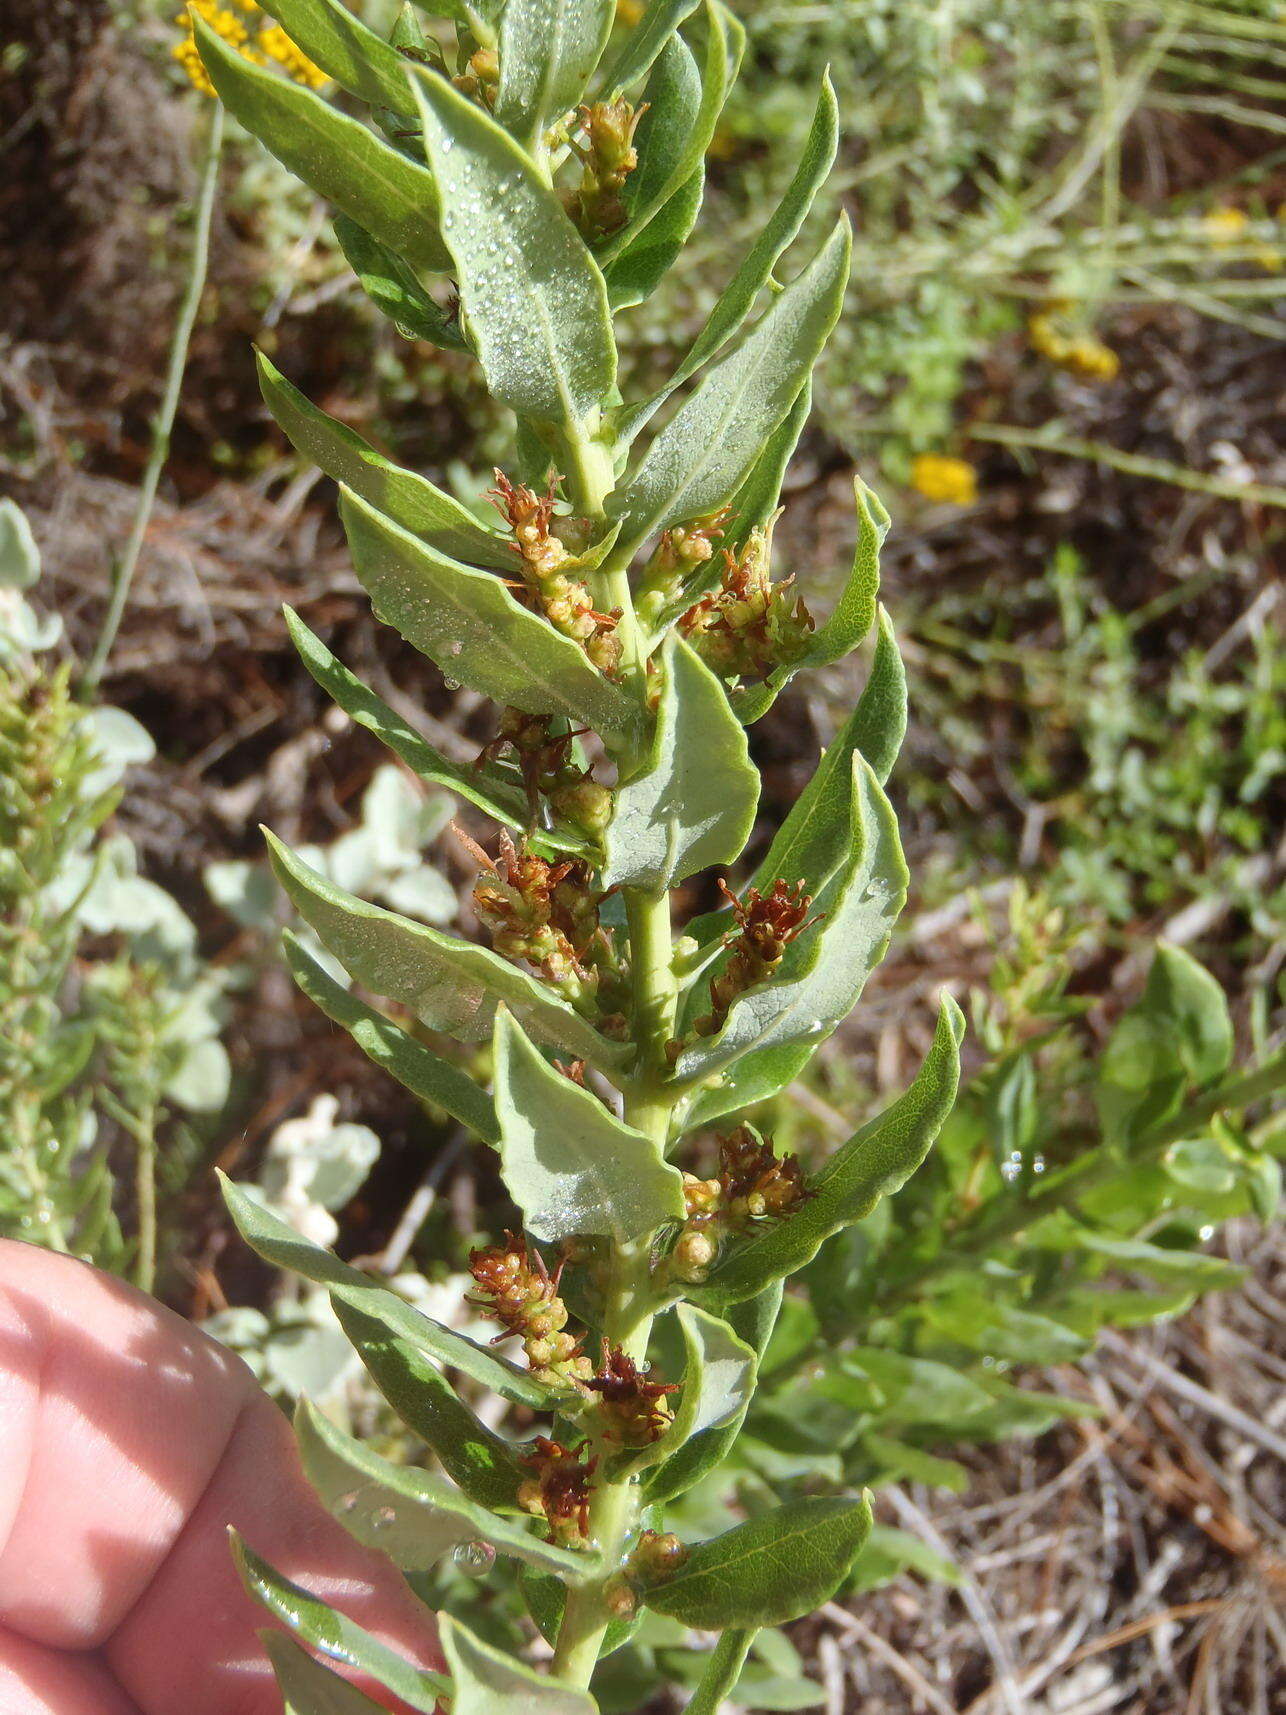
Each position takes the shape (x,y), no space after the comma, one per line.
(1052,333)
(245,27)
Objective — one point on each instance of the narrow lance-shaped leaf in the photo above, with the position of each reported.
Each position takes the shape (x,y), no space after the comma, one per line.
(752,1322)
(346,50)
(738,297)
(875,1162)
(449,984)
(824,972)
(481,785)
(775,1567)
(715,69)
(410,1515)
(426,1074)
(672,103)
(468,623)
(533,297)
(644,42)
(481,1463)
(506,803)
(782,226)
(570,1165)
(718,1380)
(694,803)
(316,1623)
(703,454)
(310,1688)
(489,1682)
(853,616)
(392,197)
(392,287)
(410,500)
(548,51)
(282,1246)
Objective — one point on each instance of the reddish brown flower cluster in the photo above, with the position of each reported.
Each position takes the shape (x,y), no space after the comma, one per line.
(543,913)
(749,626)
(605,148)
(766,925)
(754,1183)
(543,759)
(565,601)
(634,1408)
(516,1288)
(559,1489)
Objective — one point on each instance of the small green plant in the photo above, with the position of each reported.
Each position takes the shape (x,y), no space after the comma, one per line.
(525,179)
(128,1035)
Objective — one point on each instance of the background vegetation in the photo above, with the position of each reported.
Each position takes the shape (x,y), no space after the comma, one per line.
(1061,367)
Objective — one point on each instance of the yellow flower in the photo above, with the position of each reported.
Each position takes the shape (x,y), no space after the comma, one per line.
(243,26)
(1225,224)
(937,476)
(1050,333)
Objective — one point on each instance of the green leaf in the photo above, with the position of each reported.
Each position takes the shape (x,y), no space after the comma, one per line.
(548,52)
(393,198)
(282,1246)
(673,103)
(875,1162)
(718,1382)
(824,971)
(639,269)
(781,227)
(753,505)
(738,297)
(684,162)
(644,42)
(570,1165)
(308,1687)
(705,452)
(810,844)
(358,60)
(483,1465)
(532,295)
(694,804)
(722,1671)
(489,1682)
(853,617)
(338,1638)
(427,1076)
(507,803)
(1186,995)
(449,984)
(468,623)
(409,500)
(413,1517)
(776,1567)
(752,1321)
(394,290)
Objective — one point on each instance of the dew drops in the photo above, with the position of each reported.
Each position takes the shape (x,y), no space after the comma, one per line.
(346,1503)
(1011,1167)
(474,1559)
(382,1518)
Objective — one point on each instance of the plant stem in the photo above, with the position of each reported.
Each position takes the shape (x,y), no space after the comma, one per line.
(145,1199)
(163,422)
(627,1322)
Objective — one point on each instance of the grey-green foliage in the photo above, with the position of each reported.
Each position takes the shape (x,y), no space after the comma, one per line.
(130,1037)
(633,599)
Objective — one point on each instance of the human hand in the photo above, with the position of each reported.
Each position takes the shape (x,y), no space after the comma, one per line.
(129,1442)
